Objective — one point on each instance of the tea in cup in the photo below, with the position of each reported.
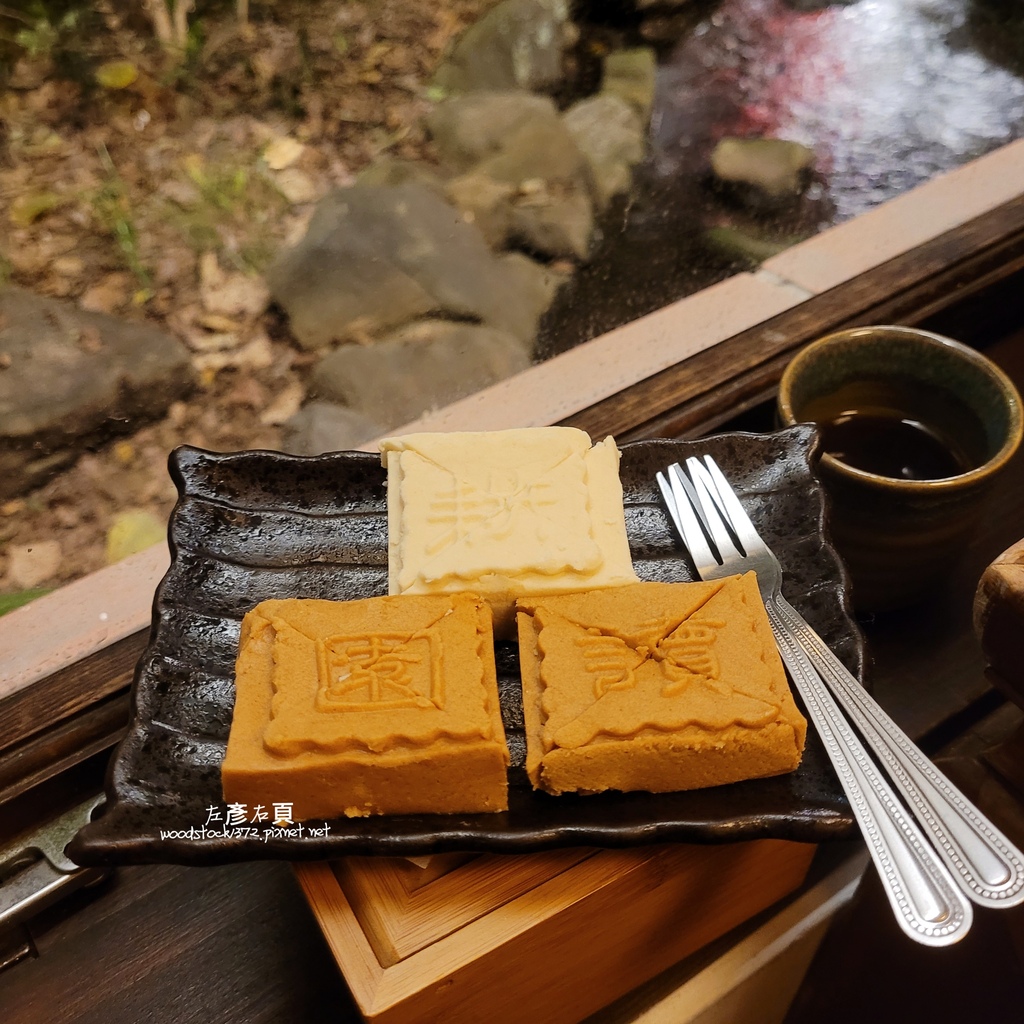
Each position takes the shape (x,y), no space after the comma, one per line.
(914,429)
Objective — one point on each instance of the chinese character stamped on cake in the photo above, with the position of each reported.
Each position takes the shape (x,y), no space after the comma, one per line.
(238,821)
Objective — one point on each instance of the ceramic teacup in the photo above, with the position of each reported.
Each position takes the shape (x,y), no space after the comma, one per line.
(915,429)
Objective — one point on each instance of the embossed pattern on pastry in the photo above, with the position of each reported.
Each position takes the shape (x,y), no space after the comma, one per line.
(656,687)
(380,706)
(505,513)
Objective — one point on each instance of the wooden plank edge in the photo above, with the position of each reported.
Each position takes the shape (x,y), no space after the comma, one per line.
(36,708)
(52,751)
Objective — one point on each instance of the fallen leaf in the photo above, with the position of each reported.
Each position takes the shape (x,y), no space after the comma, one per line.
(284,406)
(68,266)
(201,341)
(296,186)
(27,209)
(107,294)
(282,153)
(184,193)
(131,531)
(124,453)
(117,74)
(257,354)
(376,53)
(230,293)
(216,322)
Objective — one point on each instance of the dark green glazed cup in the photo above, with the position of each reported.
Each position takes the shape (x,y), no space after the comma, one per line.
(899,537)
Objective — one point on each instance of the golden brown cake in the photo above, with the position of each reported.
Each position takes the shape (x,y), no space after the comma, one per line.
(655,687)
(504,513)
(383,706)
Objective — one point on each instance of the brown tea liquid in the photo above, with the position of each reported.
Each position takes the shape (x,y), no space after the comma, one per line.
(899,428)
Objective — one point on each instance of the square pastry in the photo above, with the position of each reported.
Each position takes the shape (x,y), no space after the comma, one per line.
(655,687)
(505,514)
(382,706)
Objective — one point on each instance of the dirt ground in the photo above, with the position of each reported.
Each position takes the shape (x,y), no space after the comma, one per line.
(123,168)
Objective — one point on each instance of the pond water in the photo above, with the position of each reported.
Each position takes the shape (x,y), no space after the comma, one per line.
(888,94)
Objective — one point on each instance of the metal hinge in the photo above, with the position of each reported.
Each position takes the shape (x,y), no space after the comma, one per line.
(35,872)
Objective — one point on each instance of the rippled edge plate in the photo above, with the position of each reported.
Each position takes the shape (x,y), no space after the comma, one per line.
(255,525)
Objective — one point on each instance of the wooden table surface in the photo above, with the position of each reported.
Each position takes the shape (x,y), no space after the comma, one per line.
(238,943)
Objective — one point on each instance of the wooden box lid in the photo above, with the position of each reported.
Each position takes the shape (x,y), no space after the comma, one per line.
(551,936)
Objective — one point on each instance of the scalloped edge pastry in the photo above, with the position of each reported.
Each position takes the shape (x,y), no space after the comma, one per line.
(655,687)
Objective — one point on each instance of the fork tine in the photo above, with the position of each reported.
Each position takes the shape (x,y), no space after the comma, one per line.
(707,495)
(688,523)
(670,501)
(678,474)
(734,511)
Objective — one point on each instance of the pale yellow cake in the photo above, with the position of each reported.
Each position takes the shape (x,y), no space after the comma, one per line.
(506,514)
(655,687)
(382,706)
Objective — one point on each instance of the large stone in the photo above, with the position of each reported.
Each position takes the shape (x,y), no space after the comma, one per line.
(423,366)
(516,45)
(510,141)
(610,134)
(375,258)
(773,166)
(540,149)
(389,170)
(320,427)
(525,179)
(70,379)
(632,76)
(486,203)
(554,222)
(536,283)
(472,128)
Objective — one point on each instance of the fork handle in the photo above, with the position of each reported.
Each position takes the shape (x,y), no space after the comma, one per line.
(988,867)
(926,901)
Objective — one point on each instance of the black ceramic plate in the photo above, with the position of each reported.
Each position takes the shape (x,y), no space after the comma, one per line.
(255,525)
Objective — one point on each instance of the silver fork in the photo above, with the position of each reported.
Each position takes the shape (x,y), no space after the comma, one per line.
(927,903)
(988,867)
